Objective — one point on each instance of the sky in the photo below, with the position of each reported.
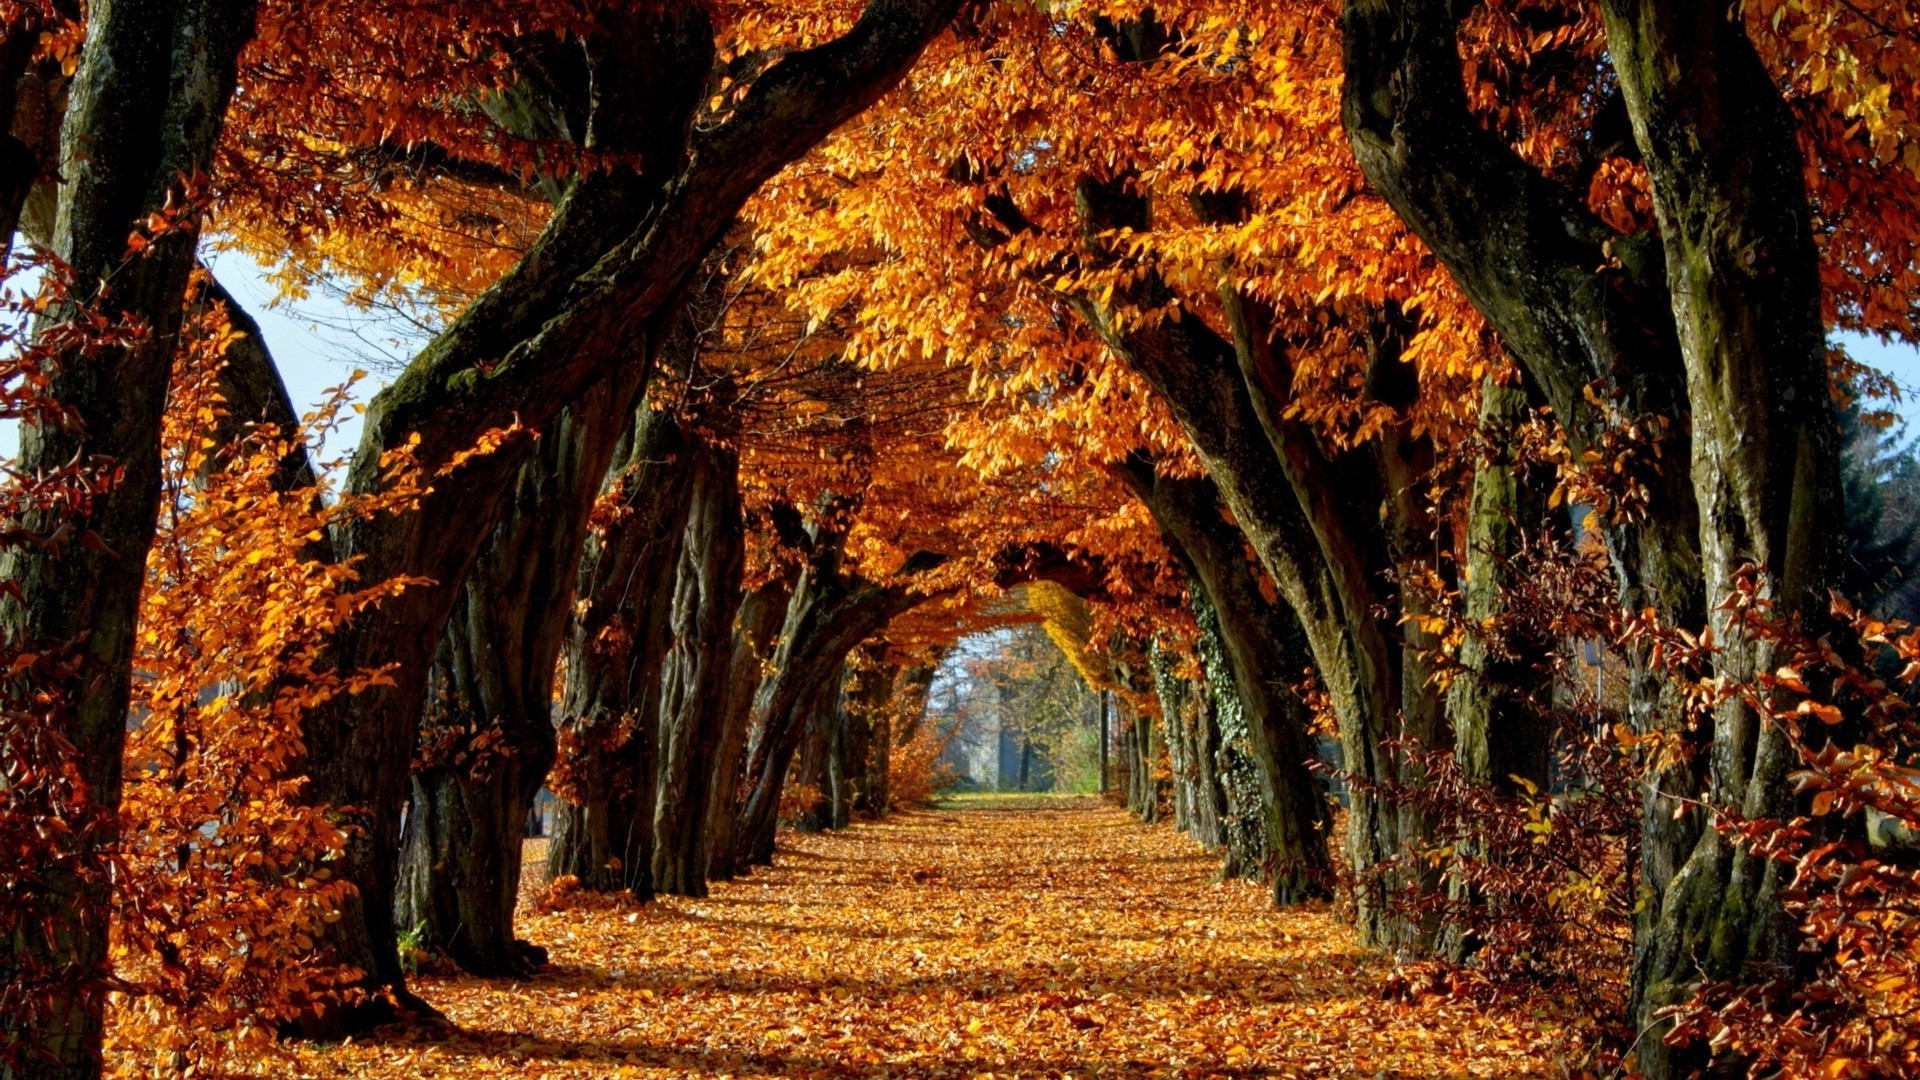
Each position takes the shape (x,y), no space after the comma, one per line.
(317,342)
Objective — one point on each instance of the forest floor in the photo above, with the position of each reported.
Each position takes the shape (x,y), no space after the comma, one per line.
(1032,937)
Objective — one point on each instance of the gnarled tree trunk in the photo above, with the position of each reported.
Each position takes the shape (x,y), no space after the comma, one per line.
(603,827)
(695,694)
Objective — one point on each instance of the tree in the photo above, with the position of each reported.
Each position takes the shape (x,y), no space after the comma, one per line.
(148,100)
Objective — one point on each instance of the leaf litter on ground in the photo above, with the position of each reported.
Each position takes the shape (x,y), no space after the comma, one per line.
(1035,938)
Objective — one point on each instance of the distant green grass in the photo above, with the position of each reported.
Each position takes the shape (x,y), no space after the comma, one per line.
(1013,800)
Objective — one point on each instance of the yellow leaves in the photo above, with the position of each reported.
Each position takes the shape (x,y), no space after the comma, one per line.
(223,862)
(1820,710)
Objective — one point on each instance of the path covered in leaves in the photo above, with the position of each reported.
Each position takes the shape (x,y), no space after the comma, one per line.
(1044,938)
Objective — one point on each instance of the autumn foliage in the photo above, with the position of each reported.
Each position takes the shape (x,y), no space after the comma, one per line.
(1423,428)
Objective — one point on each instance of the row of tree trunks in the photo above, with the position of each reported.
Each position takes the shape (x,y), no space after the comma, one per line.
(1713,320)
(1197,373)
(831,611)
(1264,651)
(147,105)
(593,294)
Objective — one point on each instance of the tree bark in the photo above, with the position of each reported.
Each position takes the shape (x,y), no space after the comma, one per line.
(759,620)
(603,825)
(695,695)
(594,292)
(148,102)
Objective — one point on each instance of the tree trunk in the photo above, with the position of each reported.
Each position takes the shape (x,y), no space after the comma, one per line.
(754,631)
(831,612)
(1494,704)
(1743,274)
(817,768)
(603,825)
(695,696)
(1207,801)
(869,696)
(1244,807)
(841,776)
(1172,693)
(1106,739)
(910,697)
(1497,703)
(879,707)
(148,102)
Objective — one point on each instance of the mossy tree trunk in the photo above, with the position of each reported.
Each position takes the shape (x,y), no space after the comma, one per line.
(1743,274)
(1500,698)
(1243,803)
(148,102)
